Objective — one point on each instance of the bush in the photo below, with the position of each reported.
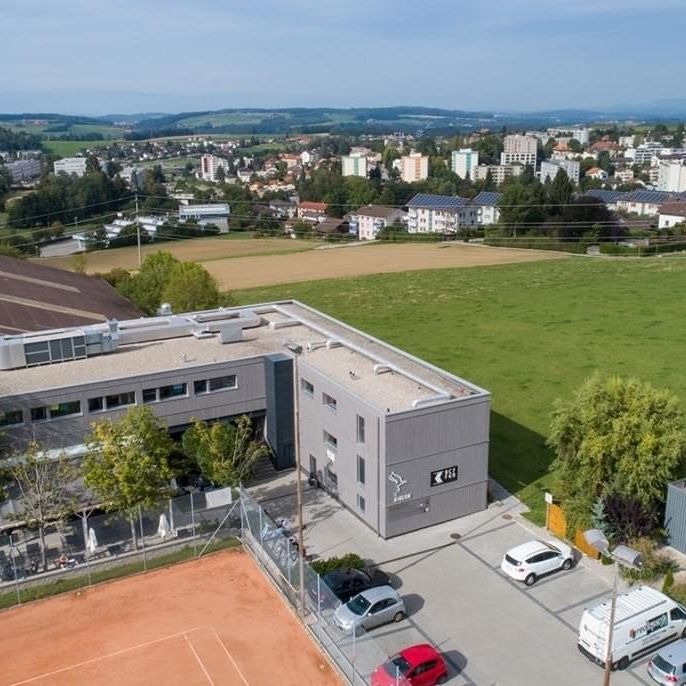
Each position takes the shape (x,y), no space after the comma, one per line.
(654,566)
(669,581)
(351,560)
(677,592)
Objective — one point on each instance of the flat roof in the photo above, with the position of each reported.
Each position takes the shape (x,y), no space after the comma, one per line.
(385,377)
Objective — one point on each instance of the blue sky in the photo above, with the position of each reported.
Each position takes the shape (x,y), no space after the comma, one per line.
(97,56)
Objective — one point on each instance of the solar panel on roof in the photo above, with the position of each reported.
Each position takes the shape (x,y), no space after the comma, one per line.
(437,202)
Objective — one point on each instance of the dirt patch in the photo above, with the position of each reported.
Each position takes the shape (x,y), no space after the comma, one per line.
(210,621)
(248,272)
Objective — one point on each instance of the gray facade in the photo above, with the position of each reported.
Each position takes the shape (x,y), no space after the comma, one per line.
(402,444)
(675,515)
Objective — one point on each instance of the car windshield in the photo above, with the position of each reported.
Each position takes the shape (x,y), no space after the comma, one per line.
(663,665)
(397,665)
(359,605)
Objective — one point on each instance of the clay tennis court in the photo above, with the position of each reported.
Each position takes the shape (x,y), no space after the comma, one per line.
(215,621)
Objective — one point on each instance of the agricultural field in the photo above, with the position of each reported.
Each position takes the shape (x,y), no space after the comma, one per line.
(529,333)
(70,148)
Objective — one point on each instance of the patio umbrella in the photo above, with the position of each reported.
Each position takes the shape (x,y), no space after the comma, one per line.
(164,530)
(92,545)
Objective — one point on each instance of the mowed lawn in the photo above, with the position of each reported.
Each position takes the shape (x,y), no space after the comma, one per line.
(529,333)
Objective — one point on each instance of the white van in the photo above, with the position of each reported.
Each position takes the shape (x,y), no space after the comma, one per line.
(644,618)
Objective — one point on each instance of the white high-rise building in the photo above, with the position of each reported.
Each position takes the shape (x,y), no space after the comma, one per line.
(415,167)
(672,177)
(519,149)
(354,165)
(210,165)
(464,161)
(549,170)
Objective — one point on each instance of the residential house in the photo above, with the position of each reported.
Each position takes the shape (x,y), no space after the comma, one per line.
(597,173)
(488,211)
(429,213)
(366,222)
(647,203)
(331,226)
(312,212)
(671,214)
(608,198)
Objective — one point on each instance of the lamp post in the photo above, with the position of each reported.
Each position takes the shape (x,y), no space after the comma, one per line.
(620,555)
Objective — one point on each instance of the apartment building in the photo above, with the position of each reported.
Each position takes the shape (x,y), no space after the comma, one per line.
(70,165)
(647,203)
(429,213)
(312,212)
(414,167)
(400,443)
(672,177)
(518,149)
(24,171)
(210,166)
(550,169)
(354,165)
(366,222)
(464,161)
(498,172)
(488,210)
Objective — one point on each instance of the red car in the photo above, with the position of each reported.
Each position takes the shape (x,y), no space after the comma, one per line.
(420,665)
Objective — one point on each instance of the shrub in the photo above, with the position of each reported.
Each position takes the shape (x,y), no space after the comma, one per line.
(350,560)
(655,564)
(677,592)
(669,581)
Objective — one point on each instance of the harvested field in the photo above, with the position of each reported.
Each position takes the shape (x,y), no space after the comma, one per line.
(195,250)
(211,621)
(249,272)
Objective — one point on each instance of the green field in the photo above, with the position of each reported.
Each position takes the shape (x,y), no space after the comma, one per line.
(68,148)
(529,333)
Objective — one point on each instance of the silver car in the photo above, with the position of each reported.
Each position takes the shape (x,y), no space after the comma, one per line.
(668,667)
(371,608)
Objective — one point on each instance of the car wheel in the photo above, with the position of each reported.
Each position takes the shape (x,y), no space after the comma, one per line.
(399,616)
(567,564)
(442,679)
(623,663)
(530,579)
(683,633)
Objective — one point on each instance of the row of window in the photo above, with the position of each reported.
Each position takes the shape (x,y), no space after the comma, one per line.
(330,402)
(117,400)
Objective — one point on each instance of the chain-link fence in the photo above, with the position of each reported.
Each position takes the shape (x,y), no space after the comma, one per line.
(93,546)
(276,550)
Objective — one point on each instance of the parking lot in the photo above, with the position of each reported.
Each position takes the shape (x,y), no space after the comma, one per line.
(491,630)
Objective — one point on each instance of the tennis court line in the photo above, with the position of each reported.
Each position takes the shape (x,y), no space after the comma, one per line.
(233,662)
(105,657)
(200,662)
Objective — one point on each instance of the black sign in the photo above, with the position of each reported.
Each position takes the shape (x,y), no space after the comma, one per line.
(443,476)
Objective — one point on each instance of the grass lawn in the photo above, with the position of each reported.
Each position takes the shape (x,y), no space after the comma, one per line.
(529,333)
(69,148)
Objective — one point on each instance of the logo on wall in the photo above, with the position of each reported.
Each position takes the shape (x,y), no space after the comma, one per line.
(399,482)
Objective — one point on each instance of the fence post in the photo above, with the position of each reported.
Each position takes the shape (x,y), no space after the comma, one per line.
(319,598)
(261,527)
(171,519)
(353,659)
(140,519)
(195,545)
(87,557)
(14,567)
(288,561)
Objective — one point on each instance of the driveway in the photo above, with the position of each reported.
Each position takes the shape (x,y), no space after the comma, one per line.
(492,630)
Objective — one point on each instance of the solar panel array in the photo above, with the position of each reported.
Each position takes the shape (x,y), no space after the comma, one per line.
(651,196)
(427,201)
(606,196)
(487,198)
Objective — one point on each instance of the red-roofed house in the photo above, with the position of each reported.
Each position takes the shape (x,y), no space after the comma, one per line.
(312,211)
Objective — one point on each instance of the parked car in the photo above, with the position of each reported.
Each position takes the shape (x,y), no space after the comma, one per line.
(418,665)
(346,583)
(529,561)
(668,667)
(373,607)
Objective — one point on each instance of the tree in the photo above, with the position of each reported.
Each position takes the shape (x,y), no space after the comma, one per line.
(225,453)
(127,463)
(145,288)
(92,165)
(79,262)
(43,484)
(190,287)
(616,436)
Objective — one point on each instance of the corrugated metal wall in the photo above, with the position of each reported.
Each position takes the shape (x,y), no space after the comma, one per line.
(675,515)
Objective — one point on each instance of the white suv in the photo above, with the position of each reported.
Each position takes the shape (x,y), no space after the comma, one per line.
(529,561)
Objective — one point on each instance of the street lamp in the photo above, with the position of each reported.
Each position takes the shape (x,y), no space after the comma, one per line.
(620,555)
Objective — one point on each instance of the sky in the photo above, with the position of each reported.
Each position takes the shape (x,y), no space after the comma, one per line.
(126,56)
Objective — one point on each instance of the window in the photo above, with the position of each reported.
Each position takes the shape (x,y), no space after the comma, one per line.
(95,405)
(199,386)
(39,414)
(329,401)
(306,386)
(360,469)
(65,409)
(173,391)
(11,417)
(360,429)
(120,400)
(221,382)
(149,395)
(676,614)
(361,504)
(330,440)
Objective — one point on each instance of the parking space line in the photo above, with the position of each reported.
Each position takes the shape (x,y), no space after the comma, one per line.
(597,596)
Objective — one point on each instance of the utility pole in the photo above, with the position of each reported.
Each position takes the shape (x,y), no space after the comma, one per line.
(138,234)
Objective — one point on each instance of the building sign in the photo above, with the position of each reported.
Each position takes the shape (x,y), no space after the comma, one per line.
(399,483)
(443,476)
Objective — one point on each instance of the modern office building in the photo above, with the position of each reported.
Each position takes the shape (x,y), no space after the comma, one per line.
(354,165)
(550,169)
(429,213)
(399,442)
(518,149)
(216,214)
(414,167)
(464,161)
